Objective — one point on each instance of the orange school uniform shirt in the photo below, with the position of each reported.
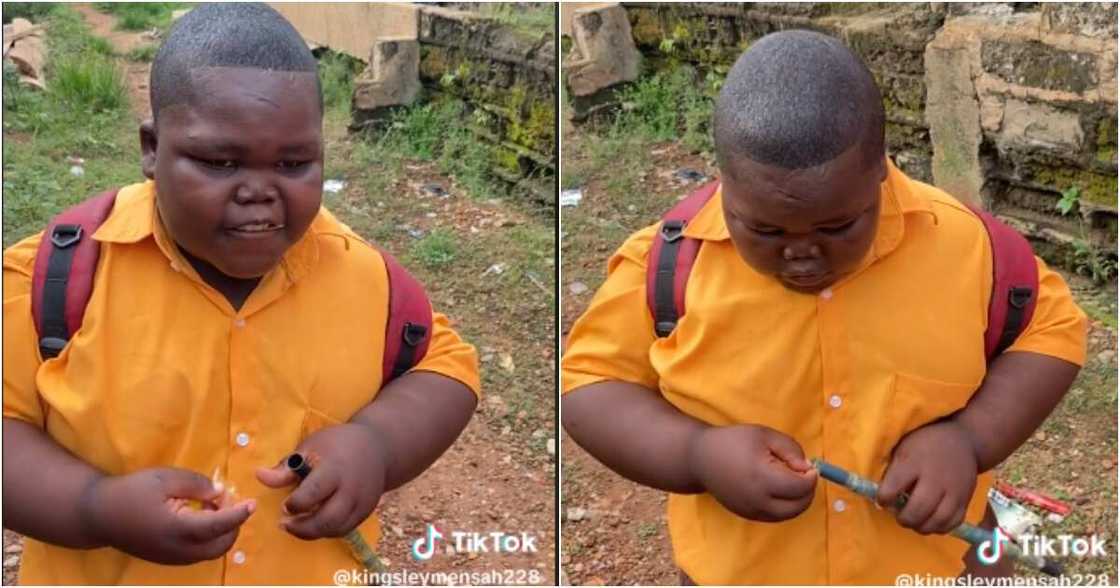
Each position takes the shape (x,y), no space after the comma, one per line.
(164,372)
(846,373)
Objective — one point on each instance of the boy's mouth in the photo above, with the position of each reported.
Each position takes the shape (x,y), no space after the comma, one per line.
(258,228)
(261,226)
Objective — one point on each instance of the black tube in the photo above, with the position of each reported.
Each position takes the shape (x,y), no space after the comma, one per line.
(298,465)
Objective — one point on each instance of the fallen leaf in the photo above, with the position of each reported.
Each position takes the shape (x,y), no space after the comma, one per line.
(506,361)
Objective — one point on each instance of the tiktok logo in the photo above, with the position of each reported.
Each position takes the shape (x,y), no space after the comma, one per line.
(991,550)
(425,547)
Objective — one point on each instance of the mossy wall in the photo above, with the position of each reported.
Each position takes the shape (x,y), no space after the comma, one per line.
(507,78)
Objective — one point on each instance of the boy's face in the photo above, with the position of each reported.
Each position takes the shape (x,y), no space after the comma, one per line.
(239,168)
(808,228)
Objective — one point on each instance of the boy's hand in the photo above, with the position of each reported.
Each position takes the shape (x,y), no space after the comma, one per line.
(145,514)
(754,471)
(347,479)
(936,464)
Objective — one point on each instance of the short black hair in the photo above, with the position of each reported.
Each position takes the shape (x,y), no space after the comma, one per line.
(234,34)
(796,99)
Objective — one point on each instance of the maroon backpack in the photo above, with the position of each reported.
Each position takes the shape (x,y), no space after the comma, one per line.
(1014,279)
(67,258)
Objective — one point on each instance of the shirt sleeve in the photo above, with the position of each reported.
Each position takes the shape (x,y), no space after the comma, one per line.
(450,356)
(21,347)
(612,339)
(1058,328)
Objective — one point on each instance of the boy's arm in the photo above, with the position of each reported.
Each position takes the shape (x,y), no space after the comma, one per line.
(46,488)
(753,471)
(635,432)
(1019,392)
(415,419)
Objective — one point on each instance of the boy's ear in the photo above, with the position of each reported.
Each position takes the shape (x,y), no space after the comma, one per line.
(148,143)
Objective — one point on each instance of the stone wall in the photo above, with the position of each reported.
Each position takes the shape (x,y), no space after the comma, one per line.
(506,77)
(1002,104)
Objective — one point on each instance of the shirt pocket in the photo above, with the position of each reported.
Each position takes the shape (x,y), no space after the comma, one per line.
(916,401)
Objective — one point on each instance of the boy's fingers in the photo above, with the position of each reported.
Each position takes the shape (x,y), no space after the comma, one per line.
(205,525)
(278,476)
(316,488)
(922,503)
(944,518)
(781,482)
(218,547)
(781,509)
(187,484)
(896,481)
(787,450)
(330,520)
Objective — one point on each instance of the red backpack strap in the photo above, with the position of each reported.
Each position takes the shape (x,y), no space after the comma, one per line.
(409,328)
(62,281)
(1014,285)
(670,261)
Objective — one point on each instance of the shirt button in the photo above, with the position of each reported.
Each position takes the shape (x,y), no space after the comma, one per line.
(838,506)
(835,401)
(243,439)
(826,293)
(239,322)
(239,557)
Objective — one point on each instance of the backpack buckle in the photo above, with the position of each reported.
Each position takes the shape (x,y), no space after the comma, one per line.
(51,346)
(1018,297)
(672,230)
(64,236)
(413,334)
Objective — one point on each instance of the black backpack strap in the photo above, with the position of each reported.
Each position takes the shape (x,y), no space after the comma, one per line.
(53,333)
(665,308)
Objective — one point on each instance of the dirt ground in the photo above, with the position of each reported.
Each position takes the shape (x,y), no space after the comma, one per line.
(498,476)
(614,531)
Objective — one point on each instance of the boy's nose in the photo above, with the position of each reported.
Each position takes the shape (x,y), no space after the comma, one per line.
(256,191)
(801,251)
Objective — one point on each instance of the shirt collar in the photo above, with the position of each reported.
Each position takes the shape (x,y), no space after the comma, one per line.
(135,217)
(899,199)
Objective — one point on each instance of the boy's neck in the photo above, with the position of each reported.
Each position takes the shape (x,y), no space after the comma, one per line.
(236,290)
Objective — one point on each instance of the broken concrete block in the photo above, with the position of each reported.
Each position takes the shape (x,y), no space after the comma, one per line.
(606,52)
(392,78)
(24,45)
(1041,125)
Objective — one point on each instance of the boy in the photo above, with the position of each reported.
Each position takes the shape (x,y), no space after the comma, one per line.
(835,309)
(233,321)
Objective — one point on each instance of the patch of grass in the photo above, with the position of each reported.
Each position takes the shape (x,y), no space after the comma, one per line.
(141,16)
(529,19)
(88,84)
(669,105)
(142,54)
(648,530)
(435,250)
(438,132)
(336,74)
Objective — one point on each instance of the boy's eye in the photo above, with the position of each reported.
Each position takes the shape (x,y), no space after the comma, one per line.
(837,229)
(292,165)
(220,164)
(765,232)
